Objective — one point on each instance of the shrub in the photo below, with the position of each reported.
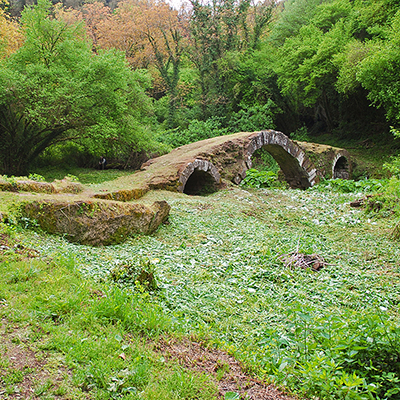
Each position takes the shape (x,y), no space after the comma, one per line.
(254,118)
(197,130)
(262,179)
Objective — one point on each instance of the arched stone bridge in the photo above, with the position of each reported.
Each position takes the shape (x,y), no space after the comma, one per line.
(190,168)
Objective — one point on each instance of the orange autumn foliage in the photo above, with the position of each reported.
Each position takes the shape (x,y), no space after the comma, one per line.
(11,37)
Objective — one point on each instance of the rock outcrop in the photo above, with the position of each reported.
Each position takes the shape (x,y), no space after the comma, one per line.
(95,222)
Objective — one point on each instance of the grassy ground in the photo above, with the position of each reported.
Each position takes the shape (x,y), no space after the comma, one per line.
(104,323)
(64,336)
(223,276)
(84,175)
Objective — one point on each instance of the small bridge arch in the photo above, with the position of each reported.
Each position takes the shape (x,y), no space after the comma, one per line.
(199,176)
(341,166)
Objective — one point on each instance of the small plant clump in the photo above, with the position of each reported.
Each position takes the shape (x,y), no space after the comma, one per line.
(262,179)
(141,274)
(36,177)
(350,186)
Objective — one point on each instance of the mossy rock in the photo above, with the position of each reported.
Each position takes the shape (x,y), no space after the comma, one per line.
(95,223)
(123,195)
(26,186)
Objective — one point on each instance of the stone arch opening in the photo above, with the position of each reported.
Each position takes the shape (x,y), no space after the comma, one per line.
(200,183)
(299,172)
(263,159)
(200,177)
(294,174)
(341,168)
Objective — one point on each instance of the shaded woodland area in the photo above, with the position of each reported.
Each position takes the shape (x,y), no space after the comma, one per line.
(130,79)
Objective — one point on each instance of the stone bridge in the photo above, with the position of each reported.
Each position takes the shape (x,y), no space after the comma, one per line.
(207,163)
(88,217)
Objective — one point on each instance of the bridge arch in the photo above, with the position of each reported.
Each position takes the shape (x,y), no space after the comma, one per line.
(198,177)
(341,166)
(299,171)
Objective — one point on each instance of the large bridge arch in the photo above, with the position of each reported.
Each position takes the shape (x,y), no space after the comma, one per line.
(299,171)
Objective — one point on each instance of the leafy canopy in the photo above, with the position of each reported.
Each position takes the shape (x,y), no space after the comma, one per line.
(53,88)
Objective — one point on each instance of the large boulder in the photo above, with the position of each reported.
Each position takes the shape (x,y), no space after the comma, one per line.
(96,222)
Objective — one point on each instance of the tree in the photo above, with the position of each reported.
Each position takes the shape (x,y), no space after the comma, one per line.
(218,28)
(325,44)
(54,89)
(150,33)
(371,59)
(379,71)
(165,30)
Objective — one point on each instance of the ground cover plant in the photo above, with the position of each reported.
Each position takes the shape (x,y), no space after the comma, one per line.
(218,271)
(63,336)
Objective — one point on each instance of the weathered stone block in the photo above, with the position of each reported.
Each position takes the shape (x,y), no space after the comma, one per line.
(95,222)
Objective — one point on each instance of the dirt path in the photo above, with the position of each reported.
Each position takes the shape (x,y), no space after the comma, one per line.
(225,370)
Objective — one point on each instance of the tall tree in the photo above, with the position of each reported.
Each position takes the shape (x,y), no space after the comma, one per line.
(218,28)
(150,33)
(53,88)
(330,41)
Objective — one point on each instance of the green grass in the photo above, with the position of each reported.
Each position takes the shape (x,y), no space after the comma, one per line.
(85,175)
(218,267)
(101,334)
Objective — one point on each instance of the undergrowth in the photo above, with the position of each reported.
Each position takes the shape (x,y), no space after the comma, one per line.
(216,272)
(97,336)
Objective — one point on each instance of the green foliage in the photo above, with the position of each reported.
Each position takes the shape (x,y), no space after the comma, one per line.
(379,70)
(253,118)
(350,186)
(63,92)
(36,177)
(89,330)
(331,334)
(219,30)
(197,130)
(142,275)
(340,353)
(248,119)
(261,179)
(295,14)
(301,134)
(332,55)
(262,160)
(72,178)
(386,203)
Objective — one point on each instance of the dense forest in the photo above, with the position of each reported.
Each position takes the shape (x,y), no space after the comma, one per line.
(130,79)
